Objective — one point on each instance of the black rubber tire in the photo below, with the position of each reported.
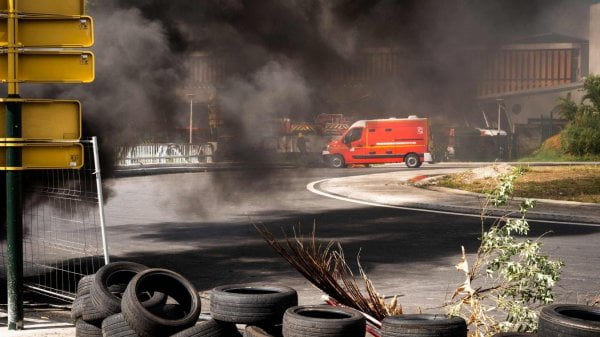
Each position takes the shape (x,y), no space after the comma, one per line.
(423,325)
(514,334)
(337,161)
(84,285)
(170,311)
(116,326)
(90,312)
(251,304)
(77,309)
(109,279)
(168,282)
(210,328)
(412,160)
(323,321)
(255,331)
(569,320)
(85,329)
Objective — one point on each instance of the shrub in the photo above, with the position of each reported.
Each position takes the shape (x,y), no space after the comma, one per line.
(581,136)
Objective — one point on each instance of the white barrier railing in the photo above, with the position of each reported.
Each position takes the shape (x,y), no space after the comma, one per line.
(171,153)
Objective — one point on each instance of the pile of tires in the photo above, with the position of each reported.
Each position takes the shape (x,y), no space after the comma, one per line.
(273,311)
(126,299)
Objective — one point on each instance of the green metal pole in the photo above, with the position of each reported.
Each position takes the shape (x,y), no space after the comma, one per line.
(14,218)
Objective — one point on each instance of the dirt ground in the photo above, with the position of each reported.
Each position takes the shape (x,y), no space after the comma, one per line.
(569,183)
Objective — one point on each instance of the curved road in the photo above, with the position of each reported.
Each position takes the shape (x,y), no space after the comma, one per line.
(200,224)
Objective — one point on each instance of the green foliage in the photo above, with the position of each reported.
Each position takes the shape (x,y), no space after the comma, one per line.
(581,136)
(567,107)
(509,274)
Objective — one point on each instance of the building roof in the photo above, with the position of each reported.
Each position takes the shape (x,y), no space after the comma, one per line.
(548,38)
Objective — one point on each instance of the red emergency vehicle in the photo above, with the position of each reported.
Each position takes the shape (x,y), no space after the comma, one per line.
(379,141)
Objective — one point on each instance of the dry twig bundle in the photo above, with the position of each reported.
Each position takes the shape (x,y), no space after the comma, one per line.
(326,268)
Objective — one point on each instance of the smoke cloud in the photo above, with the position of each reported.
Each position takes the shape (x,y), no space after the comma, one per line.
(287,58)
(273,91)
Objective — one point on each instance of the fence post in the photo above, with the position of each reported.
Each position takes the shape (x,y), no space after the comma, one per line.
(100,198)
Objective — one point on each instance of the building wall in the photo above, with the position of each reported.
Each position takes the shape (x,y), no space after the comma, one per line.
(517,69)
(523,107)
(594,38)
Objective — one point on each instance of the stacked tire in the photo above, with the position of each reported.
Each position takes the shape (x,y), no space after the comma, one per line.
(423,325)
(126,299)
(569,320)
(260,308)
(323,321)
(99,296)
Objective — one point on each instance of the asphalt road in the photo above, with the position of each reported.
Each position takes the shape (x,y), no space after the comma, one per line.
(200,224)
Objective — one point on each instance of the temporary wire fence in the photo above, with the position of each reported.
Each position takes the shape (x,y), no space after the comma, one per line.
(62,228)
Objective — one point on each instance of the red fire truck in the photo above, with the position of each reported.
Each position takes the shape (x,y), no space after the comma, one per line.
(379,141)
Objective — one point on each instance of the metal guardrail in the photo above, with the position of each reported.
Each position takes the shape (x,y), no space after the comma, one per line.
(167,153)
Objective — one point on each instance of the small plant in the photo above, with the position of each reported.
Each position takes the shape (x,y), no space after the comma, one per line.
(509,279)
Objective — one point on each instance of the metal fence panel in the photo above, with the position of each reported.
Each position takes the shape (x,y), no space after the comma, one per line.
(62,229)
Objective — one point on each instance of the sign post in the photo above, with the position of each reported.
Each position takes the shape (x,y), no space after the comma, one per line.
(38,134)
(14,188)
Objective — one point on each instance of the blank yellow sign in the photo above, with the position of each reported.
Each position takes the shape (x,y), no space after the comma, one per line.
(51,32)
(46,156)
(51,67)
(45,120)
(47,7)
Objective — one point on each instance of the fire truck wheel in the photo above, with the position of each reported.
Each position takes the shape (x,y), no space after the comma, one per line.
(337,161)
(412,160)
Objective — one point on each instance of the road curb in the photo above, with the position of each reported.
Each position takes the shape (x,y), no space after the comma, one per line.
(532,216)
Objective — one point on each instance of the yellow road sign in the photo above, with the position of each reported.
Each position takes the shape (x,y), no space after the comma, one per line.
(51,66)
(45,156)
(45,120)
(47,7)
(51,32)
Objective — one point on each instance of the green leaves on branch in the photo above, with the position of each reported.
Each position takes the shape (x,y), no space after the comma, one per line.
(509,276)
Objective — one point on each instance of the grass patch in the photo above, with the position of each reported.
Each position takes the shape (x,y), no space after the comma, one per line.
(571,183)
(552,151)
(554,155)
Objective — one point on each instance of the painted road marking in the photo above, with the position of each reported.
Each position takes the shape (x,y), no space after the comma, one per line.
(312,187)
